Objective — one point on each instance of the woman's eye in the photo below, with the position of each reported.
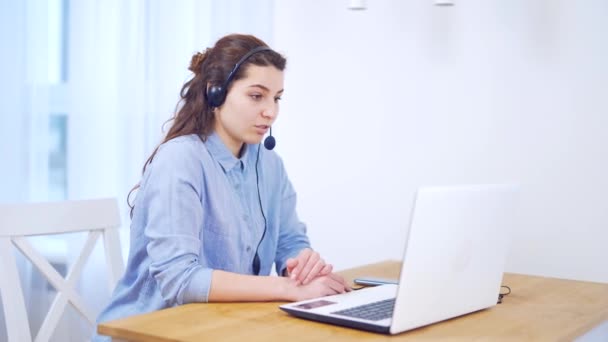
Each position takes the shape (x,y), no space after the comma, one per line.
(277,99)
(256,97)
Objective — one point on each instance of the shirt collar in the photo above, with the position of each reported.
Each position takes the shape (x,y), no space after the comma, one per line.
(220,152)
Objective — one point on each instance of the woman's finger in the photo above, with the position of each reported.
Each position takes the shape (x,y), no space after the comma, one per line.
(327,269)
(315,271)
(302,259)
(341,280)
(313,258)
(291,263)
(335,285)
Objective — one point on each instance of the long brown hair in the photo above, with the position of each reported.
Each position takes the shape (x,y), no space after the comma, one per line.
(193,114)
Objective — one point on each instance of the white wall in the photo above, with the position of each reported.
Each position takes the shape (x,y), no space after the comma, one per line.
(404,94)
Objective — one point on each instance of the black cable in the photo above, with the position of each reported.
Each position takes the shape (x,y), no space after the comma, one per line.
(501,295)
(256,259)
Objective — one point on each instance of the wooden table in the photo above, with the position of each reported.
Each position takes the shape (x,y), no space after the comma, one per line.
(538,309)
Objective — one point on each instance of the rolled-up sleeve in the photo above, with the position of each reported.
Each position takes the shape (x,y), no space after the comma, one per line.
(172,198)
(292,232)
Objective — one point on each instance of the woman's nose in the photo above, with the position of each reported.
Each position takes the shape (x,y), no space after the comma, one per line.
(270,111)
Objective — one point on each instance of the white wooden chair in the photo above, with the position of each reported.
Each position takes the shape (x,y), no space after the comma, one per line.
(18,221)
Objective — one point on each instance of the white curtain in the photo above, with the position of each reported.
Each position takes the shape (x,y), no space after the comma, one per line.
(125,62)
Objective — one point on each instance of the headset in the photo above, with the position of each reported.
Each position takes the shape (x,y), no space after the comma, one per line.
(216,95)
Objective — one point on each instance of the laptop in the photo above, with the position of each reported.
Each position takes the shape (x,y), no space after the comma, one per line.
(453,264)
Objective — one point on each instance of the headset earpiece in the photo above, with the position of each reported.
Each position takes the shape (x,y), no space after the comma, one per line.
(216,95)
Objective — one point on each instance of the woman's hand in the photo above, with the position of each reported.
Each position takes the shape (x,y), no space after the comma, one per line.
(325,285)
(307,266)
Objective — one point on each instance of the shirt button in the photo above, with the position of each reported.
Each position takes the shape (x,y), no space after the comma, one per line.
(245,217)
(248,248)
(237,185)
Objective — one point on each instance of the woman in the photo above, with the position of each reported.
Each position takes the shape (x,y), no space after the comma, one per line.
(214,209)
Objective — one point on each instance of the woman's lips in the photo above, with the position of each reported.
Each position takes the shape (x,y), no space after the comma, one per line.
(261,129)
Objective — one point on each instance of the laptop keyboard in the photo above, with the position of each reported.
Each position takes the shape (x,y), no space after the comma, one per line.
(373,311)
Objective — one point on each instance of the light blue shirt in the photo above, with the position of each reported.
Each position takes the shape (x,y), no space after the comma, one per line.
(197,210)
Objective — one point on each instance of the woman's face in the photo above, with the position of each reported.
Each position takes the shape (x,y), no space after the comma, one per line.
(251,106)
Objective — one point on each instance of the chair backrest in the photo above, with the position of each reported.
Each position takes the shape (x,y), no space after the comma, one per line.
(17,221)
